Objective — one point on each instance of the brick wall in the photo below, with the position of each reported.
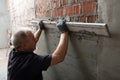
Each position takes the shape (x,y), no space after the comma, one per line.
(75,10)
(22,11)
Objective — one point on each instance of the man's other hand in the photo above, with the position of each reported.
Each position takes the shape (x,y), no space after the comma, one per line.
(41,25)
(62,26)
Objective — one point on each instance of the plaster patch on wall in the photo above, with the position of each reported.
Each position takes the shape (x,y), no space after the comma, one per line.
(86,35)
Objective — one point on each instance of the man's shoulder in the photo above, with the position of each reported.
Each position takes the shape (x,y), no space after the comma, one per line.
(41,56)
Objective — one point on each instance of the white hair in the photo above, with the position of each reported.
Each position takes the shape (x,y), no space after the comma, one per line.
(20,36)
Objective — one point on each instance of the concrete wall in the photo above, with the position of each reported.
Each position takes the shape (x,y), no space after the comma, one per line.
(4,24)
(109,65)
(89,58)
(81,62)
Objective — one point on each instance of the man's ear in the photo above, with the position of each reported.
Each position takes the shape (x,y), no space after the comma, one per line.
(35,40)
(23,46)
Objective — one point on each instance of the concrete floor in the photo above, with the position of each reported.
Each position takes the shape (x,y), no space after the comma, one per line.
(3,68)
(3,63)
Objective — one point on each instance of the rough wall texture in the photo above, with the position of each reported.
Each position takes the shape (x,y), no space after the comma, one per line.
(81,62)
(109,65)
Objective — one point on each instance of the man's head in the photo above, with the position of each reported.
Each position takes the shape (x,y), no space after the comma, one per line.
(24,40)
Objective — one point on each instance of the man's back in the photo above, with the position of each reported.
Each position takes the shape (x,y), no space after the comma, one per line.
(27,65)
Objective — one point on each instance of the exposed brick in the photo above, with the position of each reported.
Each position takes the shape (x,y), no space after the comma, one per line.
(89,0)
(76,9)
(64,11)
(83,19)
(69,10)
(48,13)
(88,7)
(85,9)
(52,5)
(55,13)
(63,2)
(89,19)
(92,18)
(58,3)
(75,1)
(58,12)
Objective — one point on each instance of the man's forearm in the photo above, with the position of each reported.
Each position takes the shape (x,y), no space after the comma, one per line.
(61,50)
(37,34)
(63,44)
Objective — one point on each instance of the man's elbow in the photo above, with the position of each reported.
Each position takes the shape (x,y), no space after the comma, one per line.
(62,59)
(57,59)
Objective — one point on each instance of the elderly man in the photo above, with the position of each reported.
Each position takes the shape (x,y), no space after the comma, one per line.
(24,64)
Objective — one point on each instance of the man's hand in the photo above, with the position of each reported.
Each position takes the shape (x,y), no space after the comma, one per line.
(62,26)
(41,25)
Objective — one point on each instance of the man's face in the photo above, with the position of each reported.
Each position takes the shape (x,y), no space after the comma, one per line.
(31,44)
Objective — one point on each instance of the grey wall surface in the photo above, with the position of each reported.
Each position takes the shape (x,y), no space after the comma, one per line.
(88,57)
(109,65)
(82,57)
(4,24)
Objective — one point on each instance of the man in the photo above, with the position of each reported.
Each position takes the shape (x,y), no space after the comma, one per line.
(24,64)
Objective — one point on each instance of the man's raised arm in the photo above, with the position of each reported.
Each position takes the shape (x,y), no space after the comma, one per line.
(38,32)
(60,52)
